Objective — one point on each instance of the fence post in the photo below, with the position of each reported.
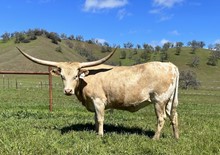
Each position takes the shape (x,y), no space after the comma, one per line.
(3,81)
(6,81)
(50,89)
(16,84)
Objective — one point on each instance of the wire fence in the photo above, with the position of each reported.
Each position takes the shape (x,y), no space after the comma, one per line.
(38,85)
(18,83)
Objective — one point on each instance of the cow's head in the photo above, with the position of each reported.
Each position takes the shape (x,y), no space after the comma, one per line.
(70,72)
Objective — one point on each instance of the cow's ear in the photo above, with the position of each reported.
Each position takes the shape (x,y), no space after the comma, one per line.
(83,73)
(56,71)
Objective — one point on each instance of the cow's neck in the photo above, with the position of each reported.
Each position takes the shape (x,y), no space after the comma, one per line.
(79,90)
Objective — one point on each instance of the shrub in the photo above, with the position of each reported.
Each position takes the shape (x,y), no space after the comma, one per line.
(188,80)
(106,49)
(71,37)
(69,44)
(145,55)
(58,49)
(195,62)
(122,55)
(164,56)
(19,37)
(79,38)
(54,37)
(25,40)
(134,51)
(5,37)
(31,35)
(213,58)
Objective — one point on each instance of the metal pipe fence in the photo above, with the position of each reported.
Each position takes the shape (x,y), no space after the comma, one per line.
(7,83)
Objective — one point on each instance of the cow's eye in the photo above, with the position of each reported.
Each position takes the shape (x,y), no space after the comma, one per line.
(75,77)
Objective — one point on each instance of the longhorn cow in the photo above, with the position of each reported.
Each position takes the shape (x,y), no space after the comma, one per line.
(125,88)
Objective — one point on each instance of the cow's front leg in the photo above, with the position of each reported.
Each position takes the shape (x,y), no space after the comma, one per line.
(99,116)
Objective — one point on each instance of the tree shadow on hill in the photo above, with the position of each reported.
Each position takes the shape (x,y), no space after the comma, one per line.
(108,128)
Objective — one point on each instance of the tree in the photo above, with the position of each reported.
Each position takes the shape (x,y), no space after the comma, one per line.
(213,58)
(201,44)
(128,45)
(40,32)
(210,46)
(5,37)
(90,41)
(195,62)
(71,37)
(19,37)
(164,52)
(79,38)
(166,46)
(106,44)
(63,36)
(130,54)
(137,61)
(122,55)
(179,44)
(86,52)
(138,46)
(134,51)
(106,47)
(188,80)
(69,43)
(148,48)
(195,45)
(178,47)
(178,50)
(164,56)
(217,46)
(157,48)
(145,55)
(54,37)
(58,49)
(31,35)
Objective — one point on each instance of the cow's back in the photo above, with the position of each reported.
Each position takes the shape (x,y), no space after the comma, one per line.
(130,87)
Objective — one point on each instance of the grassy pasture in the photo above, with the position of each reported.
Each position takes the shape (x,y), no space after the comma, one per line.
(27,126)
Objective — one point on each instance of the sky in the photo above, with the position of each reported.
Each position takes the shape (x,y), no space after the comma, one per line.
(117,22)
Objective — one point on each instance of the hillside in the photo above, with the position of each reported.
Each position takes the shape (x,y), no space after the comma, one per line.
(11,59)
(42,47)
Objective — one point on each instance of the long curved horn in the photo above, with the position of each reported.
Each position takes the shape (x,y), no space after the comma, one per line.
(98,62)
(39,61)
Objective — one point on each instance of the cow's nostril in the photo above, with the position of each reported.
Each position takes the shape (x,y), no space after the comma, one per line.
(68,91)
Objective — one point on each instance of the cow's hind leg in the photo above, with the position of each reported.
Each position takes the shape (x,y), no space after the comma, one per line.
(174,121)
(173,116)
(160,113)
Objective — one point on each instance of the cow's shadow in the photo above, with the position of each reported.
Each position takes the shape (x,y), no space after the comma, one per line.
(108,128)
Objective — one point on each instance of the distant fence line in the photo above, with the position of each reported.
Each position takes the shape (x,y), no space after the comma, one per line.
(7,83)
(30,73)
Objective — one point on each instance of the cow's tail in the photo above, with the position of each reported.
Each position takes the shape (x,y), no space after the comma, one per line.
(173,102)
(172,106)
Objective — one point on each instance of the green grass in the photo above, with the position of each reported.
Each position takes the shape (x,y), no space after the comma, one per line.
(27,126)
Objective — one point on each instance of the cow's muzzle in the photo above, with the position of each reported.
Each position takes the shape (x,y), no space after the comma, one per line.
(68,92)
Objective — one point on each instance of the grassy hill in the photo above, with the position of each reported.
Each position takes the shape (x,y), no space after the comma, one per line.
(42,47)
(11,59)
